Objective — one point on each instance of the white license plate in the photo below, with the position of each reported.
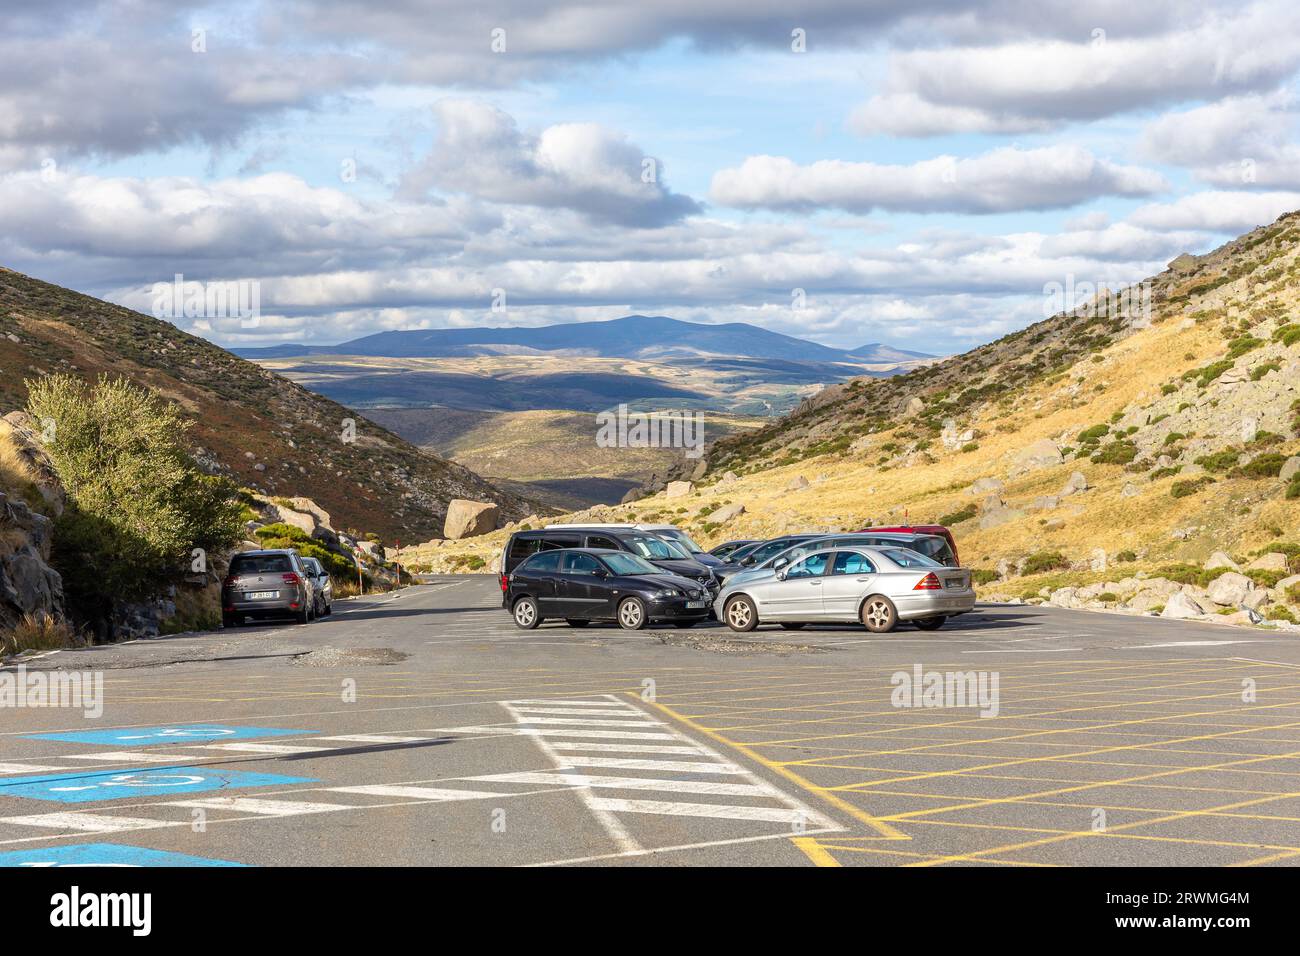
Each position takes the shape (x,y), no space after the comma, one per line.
(696,603)
(262,595)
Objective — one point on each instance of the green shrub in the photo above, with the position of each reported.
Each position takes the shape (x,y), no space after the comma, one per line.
(1243,344)
(983,576)
(1093,435)
(1109,597)
(1204,376)
(1164,473)
(1168,388)
(970,446)
(1264,578)
(1116,453)
(957,517)
(1261,370)
(1268,465)
(1126,557)
(138,506)
(1182,489)
(1042,561)
(281,531)
(1281,613)
(1220,461)
(1174,437)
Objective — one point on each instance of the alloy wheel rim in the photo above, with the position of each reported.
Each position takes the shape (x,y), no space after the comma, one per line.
(524,613)
(630,613)
(878,613)
(739,614)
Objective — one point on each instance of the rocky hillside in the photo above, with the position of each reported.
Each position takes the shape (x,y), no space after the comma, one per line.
(259,429)
(1087,451)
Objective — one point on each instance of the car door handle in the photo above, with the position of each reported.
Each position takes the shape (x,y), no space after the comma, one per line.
(864,579)
(815,584)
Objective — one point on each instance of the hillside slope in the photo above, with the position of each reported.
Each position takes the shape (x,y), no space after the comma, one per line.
(1091,446)
(261,430)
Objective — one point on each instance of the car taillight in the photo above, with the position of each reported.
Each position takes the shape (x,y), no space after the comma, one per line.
(291,578)
(505,584)
(228,581)
(928,583)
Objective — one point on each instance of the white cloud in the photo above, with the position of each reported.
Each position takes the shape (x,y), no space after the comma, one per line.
(1221,212)
(580,166)
(1241,142)
(1025,85)
(1002,180)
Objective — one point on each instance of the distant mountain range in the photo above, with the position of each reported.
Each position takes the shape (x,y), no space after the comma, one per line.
(645,337)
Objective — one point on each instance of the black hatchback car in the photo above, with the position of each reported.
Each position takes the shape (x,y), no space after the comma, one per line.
(581,585)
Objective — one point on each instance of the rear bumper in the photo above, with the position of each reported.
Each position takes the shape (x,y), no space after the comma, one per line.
(284,606)
(934,604)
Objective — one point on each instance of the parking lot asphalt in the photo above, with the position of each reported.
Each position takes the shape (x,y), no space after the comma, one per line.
(424,728)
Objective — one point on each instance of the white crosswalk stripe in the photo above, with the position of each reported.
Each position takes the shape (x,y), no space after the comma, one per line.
(85,822)
(596,771)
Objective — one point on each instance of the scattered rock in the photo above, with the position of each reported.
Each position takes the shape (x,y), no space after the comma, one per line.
(1045,503)
(1098,560)
(727,513)
(1130,490)
(1076,483)
(984,486)
(678,489)
(1273,561)
(1040,454)
(633,494)
(1221,560)
(465,518)
(797,483)
(1290,469)
(1000,515)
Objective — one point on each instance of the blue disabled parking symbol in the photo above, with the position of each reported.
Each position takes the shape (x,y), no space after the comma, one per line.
(102,854)
(150,782)
(172,734)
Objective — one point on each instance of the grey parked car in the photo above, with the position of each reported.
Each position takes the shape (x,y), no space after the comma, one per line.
(877,586)
(324,586)
(262,584)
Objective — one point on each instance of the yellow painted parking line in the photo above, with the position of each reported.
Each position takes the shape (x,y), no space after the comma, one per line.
(840,804)
(814,851)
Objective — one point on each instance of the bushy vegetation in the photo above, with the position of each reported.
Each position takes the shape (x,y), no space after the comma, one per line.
(138,505)
(1183,489)
(36,633)
(1042,561)
(957,517)
(280,535)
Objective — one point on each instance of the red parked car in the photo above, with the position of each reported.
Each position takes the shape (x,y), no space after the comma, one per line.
(938,529)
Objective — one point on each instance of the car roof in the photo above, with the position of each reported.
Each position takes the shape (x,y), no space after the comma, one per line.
(263,551)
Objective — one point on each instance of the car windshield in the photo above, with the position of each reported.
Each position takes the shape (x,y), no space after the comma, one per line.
(681,537)
(657,549)
(797,552)
(765,551)
(259,564)
(628,564)
(906,558)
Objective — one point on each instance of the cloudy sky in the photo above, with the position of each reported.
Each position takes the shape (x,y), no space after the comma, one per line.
(921,169)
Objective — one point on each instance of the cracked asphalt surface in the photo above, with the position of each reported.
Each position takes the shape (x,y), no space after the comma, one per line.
(424,728)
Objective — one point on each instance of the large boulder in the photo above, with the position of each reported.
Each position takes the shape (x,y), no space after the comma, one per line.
(1182,606)
(797,483)
(465,519)
(1290,468)
(1229,590)
(28,585)
(727,513)
(1077,482)
(1221,560)
(1039,454)
(985,486)
(678,489)
(1273,561)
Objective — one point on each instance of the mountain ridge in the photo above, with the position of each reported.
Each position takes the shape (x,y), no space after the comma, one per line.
(631,336)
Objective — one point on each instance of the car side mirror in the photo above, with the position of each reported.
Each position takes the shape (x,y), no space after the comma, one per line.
(600,573)
(780,575)
(746,562)
(780,563)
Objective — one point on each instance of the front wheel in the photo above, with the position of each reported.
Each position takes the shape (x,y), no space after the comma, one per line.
(631,614)
(526,613)
(879,614)
(740,613)
(930,623)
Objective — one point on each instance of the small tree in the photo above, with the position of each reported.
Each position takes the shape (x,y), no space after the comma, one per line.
(138,505)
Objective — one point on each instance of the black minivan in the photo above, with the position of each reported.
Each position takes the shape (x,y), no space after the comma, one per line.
(663,553)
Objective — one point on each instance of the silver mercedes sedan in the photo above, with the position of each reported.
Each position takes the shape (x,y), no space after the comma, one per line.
(875,586)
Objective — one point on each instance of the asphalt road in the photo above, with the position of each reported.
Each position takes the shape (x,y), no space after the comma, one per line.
(424,728)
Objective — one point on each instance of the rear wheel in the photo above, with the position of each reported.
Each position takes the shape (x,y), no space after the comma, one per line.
(879,614)
(740,614)
(526,614)
(576,622)
(303,616)
(930,623)
(792,625)
(631,614)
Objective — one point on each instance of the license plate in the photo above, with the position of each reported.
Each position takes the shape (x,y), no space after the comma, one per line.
(953,583)
(262,595)
(696,603)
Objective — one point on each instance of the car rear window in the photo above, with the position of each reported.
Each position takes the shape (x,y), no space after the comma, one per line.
(260,564)
(906,558)
(936,548)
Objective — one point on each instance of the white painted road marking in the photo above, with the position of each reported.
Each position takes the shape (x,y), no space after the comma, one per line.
(437,794)
(85,822)
(765,814)
(268,808)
